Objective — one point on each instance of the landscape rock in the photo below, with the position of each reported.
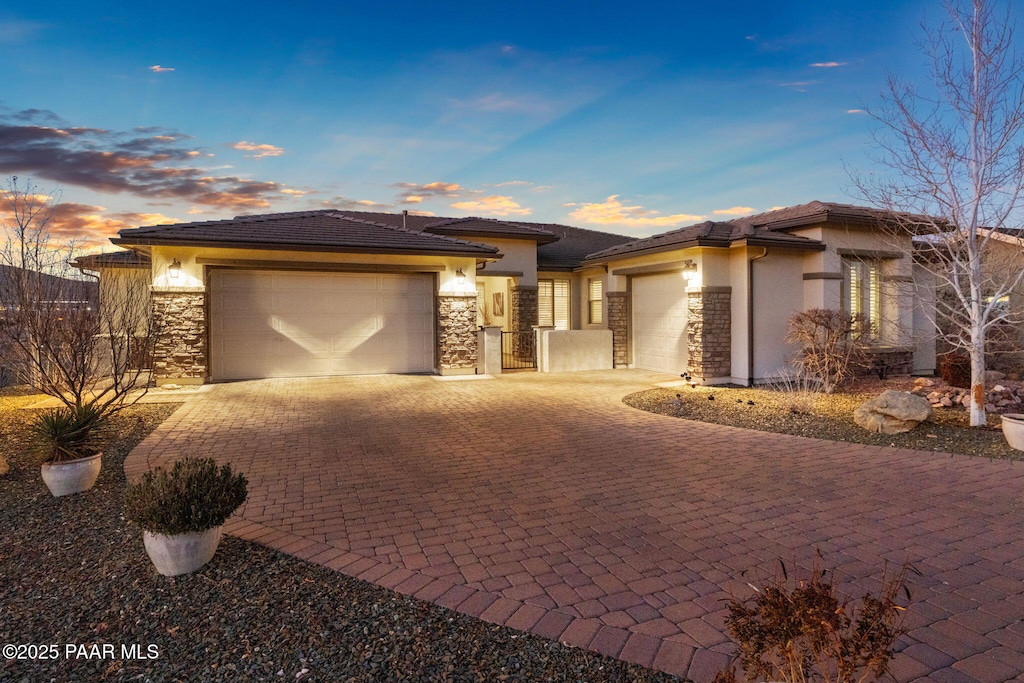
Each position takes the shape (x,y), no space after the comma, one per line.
(4,467)
(892,412)
(993,376)
(924,382)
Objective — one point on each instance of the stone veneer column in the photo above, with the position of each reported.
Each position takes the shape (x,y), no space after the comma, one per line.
(618,323)
(456,334)
(180,350)
(709,332)
(523,318)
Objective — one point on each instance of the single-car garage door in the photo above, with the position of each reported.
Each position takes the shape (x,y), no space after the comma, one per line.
(659,323)
(298,324)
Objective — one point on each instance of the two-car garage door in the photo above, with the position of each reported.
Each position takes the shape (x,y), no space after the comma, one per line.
(299,324)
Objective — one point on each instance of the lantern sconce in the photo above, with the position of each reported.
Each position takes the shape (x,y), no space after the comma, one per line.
(460,276)
(174,270)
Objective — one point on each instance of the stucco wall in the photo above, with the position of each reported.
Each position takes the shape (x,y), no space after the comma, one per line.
(518,256)
(574,350)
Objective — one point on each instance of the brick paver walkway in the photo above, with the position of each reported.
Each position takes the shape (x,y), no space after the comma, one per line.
(543,503)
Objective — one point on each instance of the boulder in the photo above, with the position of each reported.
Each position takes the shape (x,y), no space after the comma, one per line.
(993,376)
(924,382)
(892,412)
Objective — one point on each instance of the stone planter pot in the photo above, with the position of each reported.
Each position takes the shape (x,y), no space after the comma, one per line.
(1013,430)
(181,553)
(71,476)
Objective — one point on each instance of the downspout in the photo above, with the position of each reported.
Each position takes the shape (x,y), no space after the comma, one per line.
(750,315)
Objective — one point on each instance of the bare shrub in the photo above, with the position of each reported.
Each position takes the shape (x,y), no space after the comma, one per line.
(57,334)
(806,631)
(833,345)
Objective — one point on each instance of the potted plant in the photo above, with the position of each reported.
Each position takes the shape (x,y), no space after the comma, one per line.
(181,511)
(71,462)
(1013,430)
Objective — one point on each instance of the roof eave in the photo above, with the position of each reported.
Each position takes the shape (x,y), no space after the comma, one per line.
(491,252)
(539,239)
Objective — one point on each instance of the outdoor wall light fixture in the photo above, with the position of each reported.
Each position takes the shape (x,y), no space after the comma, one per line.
(174,270)
(689,271)
(460,276)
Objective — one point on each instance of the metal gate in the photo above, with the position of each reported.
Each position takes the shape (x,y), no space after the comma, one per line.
(518,350)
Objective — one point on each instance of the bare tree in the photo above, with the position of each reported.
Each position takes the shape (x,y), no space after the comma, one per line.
(953,172)
(57,332)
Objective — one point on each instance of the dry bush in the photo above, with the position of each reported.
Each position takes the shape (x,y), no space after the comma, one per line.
(798,388)
(806,631)
(833,345)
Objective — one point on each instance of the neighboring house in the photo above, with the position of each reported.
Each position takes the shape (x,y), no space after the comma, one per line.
(1002,260)
(338,292)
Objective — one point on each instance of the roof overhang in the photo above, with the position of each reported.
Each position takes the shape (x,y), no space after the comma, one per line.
(794,244)
(487,254)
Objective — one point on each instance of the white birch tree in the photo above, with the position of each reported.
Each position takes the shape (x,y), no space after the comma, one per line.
(951,158)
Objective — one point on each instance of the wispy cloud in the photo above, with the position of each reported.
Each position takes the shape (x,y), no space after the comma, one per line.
(18,31)
(735,211)
(152,163)
(297,193)
(827,65)
(494,205)
(855,111)
(341,202)
(498,103)
(613,212)
(157,69)
(511,183)
(91,227)
(415,193)
(261,151)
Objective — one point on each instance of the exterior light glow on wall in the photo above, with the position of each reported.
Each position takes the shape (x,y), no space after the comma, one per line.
(174,270)
(460,276)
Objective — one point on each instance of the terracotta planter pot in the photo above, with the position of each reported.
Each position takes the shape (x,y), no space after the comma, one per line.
(1013,430)
(181,553)
(71,476)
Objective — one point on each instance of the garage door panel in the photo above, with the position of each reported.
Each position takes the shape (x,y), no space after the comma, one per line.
(270,324)
(659,323)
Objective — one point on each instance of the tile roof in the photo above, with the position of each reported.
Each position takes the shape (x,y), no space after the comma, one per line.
(706,234)
(123,258)
(304,230)
(573,245)
(481,227)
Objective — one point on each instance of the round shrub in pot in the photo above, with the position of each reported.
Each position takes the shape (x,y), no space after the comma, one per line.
(181,511)
(71,462)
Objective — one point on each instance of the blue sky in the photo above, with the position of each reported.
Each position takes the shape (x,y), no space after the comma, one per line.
(627,117)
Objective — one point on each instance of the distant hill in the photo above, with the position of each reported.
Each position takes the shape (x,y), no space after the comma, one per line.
(65,288)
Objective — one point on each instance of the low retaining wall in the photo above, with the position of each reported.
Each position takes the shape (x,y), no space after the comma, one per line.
(572,350)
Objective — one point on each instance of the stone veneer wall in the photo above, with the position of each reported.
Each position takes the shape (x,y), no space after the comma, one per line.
(523,319)
(618,323)
(709,332)
(180,349)
(456,332)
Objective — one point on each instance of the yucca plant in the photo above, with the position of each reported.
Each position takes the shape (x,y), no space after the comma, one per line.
(65,434)
(193,496)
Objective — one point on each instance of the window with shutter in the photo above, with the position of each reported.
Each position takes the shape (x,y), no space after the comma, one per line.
(595,295)
(862,291)
(553,304)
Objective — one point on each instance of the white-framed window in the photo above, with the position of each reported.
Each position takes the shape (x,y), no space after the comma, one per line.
(595,295)
(553,304)
(862,291)
(1002,306)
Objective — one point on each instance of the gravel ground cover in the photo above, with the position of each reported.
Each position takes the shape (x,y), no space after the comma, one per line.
(73,571)
(824,416)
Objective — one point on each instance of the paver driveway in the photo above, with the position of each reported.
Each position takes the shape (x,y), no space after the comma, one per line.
(544,503)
